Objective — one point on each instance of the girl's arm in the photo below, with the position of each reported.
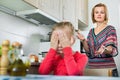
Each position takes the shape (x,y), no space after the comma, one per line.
(74,65)
(47,64)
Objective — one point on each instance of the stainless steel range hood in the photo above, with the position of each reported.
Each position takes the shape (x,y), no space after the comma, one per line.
(37,16)
(26,11)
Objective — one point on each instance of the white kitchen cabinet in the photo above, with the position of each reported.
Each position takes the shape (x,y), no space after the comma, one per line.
(69,12)
(51,7)
(82,11)
(64,10)
(33,2)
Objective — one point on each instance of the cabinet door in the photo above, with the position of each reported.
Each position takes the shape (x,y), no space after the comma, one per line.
(33,2)
(82,10)
(69,11)
(52,7)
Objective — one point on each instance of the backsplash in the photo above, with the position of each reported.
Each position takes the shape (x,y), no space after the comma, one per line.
(16,29)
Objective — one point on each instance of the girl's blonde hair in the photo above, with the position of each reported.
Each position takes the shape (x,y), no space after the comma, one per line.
(65,25)
(106,13)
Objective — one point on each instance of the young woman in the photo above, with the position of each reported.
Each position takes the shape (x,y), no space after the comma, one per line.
(101,43)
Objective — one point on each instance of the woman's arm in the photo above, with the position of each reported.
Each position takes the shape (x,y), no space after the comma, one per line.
(84,42)
(104,50)
(85,45)
(109,47)
(108,50)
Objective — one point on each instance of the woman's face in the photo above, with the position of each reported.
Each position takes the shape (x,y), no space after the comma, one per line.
(99,14)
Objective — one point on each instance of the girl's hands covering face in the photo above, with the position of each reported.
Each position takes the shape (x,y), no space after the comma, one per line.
(54,40)
(59,40)
(64,41)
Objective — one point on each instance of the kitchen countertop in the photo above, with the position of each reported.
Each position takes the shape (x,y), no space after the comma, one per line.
(52,77)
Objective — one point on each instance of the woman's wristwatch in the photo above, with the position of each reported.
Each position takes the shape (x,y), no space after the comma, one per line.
(105,49)
(83,40)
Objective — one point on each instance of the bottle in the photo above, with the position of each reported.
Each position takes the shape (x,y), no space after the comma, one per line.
(17,68)
(4,58)
(15,52)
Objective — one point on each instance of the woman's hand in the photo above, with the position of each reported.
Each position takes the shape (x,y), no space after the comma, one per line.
(80,36)
(100,51)
(54,40)
(106,50)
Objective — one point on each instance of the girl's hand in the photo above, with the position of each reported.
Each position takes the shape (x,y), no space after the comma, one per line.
(64,40)
(54,40)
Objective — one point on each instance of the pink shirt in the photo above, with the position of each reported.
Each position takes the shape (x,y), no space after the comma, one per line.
(68,65)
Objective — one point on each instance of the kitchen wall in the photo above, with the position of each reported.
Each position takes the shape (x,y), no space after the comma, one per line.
(114,19)
(16,29)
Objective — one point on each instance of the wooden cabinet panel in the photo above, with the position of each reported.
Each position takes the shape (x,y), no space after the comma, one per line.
(69,11)
(33,2)
(52,7)
(82,10)
(64,10)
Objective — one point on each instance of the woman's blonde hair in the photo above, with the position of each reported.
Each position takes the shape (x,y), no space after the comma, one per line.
(65,25)
(106,13)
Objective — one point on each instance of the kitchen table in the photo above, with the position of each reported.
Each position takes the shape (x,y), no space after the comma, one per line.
(52,77)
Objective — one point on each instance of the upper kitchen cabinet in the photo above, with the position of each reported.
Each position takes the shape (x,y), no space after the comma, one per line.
(51,7)
(33,2)
(75,11)
(63,10)
(82,10)
(69,12)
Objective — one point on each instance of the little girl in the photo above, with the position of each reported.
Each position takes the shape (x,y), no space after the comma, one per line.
(61,59)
